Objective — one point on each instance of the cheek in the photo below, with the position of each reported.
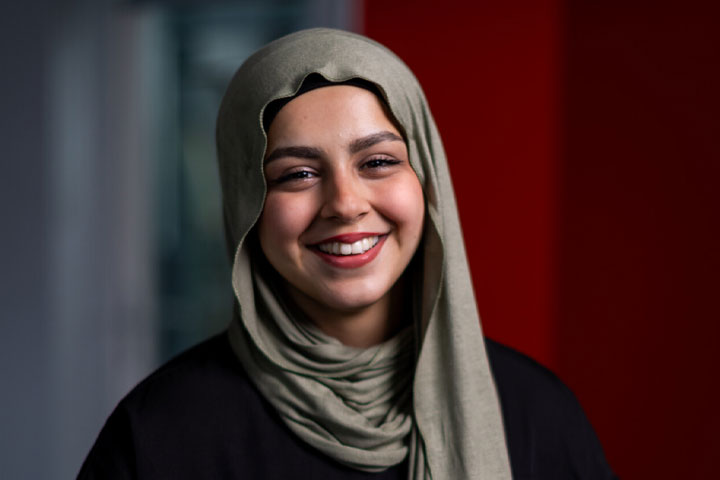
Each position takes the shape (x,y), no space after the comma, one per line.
(405,205)
(284,219)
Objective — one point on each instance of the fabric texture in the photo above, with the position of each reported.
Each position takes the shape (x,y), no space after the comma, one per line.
(353,404)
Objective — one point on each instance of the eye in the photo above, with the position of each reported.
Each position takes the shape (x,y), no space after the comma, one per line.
(379,163)
(296,176)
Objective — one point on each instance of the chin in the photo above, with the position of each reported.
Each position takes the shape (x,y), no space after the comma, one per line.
(350,298)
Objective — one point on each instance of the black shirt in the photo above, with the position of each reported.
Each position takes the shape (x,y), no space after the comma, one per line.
(200,417)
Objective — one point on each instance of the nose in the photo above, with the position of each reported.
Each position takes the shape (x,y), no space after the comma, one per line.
(345,198)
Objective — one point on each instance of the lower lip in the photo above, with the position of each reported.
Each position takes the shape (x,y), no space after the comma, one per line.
(352,261)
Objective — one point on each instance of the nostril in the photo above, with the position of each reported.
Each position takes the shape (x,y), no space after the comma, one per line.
(344,202)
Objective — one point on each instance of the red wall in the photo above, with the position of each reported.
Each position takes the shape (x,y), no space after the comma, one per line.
(584,144)
(640,231)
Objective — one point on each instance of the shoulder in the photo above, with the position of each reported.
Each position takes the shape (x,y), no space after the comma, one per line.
(547,432)
(521,381)
(197,401)
(188,378)
(204,390)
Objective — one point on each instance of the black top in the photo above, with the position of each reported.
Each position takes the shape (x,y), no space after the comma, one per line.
(200,417)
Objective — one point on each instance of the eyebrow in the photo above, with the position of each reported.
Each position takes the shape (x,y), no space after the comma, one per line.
(357,145)
(368,141)
(298,152)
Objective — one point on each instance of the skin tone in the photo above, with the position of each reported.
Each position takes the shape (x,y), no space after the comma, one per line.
(339,178)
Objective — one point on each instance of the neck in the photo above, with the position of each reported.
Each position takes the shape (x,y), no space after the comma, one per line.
(362,327)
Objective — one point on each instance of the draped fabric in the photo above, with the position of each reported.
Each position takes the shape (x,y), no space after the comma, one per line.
(427,394)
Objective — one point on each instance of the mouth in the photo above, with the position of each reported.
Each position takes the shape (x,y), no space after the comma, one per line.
(351,250)
(343,248)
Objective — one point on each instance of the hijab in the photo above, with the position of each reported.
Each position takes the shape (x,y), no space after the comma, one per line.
(426,394)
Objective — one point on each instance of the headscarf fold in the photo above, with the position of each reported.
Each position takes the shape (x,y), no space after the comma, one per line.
(426,394)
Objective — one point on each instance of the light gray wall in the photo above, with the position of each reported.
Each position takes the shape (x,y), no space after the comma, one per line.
(77,302)
(24,295)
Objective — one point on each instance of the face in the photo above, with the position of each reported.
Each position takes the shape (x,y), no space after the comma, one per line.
(344,210)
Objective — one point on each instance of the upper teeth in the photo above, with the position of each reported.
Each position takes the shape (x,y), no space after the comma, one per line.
(355,248)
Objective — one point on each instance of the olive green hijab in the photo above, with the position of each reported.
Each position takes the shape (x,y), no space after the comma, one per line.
(427,394)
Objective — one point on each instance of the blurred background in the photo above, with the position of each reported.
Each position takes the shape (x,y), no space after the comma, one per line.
(582,138)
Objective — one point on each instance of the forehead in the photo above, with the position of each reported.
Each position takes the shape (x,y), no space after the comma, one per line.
(332,111)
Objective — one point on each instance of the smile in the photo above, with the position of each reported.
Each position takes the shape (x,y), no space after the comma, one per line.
(356,248)
(351,250)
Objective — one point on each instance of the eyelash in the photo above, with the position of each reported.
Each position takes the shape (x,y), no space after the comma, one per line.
(299,175)
(376,163)
(380,162)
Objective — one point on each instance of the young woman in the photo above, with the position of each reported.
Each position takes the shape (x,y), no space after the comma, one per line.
(356,350)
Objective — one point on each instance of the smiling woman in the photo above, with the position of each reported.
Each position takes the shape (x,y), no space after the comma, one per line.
(356,350)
